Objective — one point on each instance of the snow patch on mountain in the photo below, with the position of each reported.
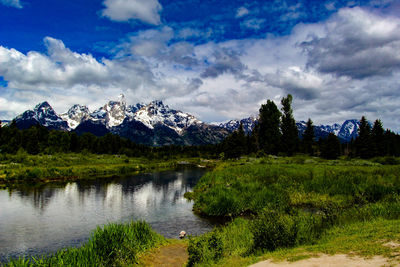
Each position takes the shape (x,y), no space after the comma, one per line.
(75,115)
(158,113)
(45,115)
(233,125)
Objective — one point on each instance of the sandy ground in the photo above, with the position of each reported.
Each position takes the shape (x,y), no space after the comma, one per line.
(339,260)
(173,255)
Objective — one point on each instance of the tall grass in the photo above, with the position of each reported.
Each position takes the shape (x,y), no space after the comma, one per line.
(290,204)
(22,167)
(112,245)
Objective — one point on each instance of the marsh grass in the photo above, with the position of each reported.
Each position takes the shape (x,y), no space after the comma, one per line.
(111,245)
(23,168)
(292,203)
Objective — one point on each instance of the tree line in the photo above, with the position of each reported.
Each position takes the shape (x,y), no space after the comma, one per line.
(276,133)
(38,139)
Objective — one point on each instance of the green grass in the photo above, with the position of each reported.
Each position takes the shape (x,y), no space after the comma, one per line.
(232,190)
(297,202)
(23,168)
(112,245)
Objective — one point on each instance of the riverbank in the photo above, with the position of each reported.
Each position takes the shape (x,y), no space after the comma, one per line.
(280,204)
(111,245)
(22,168)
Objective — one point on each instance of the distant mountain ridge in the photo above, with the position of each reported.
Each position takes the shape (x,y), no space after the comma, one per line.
(345,132)
(155,123)
(152,124)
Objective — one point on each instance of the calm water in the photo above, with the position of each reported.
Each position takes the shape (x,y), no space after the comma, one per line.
(43,220)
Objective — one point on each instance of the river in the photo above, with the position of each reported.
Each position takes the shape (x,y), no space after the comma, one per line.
(41,220)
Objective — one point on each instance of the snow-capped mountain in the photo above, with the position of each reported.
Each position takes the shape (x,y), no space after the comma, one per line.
(75,115)
(233,125)
(345,131)
(349,130)
(158,113)
(156,123)
(42,114)
(151,124)
(111,114)
(114,113)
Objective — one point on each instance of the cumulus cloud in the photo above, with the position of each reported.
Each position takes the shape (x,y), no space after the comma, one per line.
(11,3)
(225,80)
(147,11)
(357,44)
(295,81)
(59,68)
(223,61)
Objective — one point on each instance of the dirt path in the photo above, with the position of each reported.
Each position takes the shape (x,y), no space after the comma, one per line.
(339,260)
(174,255)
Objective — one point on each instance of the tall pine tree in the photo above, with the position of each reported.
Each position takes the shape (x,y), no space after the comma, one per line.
(377,135)
(363,141)
(308,138)
(269,134)
(290,138)
(330,148)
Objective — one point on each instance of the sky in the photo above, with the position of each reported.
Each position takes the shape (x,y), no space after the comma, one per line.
(215,59)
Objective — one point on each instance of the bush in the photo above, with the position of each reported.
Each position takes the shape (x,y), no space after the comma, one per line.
(272,230)
(207,248)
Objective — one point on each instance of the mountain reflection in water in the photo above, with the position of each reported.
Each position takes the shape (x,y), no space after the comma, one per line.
(41,220)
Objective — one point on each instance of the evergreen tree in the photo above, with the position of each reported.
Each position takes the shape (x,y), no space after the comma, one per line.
(363,141)
(330,148)
(377,134)
(308,138)
(269,134)
(290,138)
(235,144)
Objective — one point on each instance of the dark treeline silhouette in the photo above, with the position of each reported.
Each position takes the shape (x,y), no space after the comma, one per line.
(38,139)
(276,134)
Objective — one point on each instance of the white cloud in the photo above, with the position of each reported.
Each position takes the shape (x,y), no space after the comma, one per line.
(219,81)
(147,11)
(254,23)
(12,3)
(241,12)
(357,44)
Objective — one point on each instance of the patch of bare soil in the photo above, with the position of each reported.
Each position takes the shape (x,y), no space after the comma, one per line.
(173,255)
(339,260)
(392,244)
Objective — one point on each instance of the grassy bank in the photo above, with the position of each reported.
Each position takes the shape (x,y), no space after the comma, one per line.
(112,245)
(292,202)
(365,238)
(23,168)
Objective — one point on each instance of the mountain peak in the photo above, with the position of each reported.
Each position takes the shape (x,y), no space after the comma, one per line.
(43,114)
(43,106)
(75,115)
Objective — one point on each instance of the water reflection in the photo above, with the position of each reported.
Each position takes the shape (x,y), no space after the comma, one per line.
(36,220)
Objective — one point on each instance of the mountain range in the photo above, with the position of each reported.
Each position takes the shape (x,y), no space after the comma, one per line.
(155,124)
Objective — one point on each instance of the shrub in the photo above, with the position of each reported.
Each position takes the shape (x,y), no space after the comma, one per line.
(207,248)
(272,230)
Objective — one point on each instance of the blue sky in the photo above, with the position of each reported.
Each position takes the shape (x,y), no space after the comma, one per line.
(218,60)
